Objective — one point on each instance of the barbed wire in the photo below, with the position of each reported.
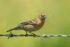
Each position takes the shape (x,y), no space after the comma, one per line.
(43,35)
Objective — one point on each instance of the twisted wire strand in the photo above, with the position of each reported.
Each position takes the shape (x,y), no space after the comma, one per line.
(43,35)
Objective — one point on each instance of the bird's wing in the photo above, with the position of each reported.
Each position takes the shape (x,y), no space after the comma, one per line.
(35,21)
(30,22)
(27,23)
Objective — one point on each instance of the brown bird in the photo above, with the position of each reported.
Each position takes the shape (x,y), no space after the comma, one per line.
(31,25)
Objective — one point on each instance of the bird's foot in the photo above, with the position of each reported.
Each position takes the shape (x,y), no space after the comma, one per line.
(26,35)
(34,35)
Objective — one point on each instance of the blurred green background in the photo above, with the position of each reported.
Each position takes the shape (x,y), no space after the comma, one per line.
(12,12)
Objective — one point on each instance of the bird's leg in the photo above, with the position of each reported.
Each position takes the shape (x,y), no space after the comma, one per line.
(33,34)
(26,34)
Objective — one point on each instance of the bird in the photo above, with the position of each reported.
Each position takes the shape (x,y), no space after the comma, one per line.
(30,25)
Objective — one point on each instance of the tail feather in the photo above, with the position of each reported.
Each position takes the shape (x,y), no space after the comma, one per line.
(16,28)
(10,30)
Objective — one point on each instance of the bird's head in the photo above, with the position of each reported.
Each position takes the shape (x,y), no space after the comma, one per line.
(42,17)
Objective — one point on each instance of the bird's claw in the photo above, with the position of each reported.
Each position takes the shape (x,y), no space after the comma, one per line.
(26,35)
(34,35)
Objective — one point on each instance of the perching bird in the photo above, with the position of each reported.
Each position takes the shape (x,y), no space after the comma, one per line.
(31,25)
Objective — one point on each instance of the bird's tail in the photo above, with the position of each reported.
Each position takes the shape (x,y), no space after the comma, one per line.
(10,30)
(15,28)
